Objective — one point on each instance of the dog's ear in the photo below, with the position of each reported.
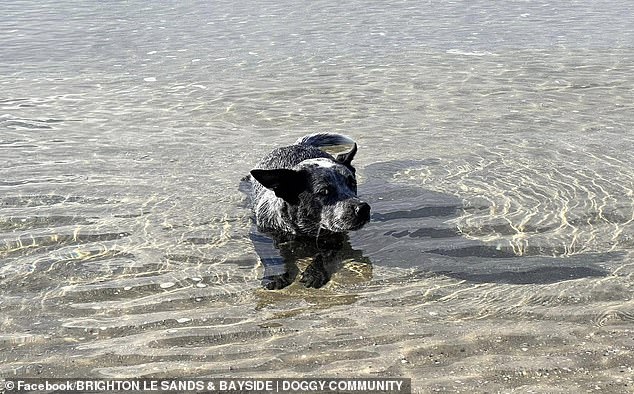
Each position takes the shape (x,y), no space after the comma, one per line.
(287,184)
(346,158)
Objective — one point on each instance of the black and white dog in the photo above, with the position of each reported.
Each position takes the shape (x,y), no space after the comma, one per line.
(306,200)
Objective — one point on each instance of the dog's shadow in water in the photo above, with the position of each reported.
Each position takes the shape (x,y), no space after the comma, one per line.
(412,227)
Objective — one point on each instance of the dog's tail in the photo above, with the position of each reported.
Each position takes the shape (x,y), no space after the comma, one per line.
(324,139)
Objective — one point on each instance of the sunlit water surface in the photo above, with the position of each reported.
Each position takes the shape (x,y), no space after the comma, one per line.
(495,148)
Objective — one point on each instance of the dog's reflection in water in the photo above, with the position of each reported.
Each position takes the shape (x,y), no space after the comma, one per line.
(314,260)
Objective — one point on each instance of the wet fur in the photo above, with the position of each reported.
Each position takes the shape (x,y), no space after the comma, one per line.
(301,193)
(303,190)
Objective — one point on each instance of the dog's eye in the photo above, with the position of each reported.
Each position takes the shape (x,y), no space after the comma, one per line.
(326,191)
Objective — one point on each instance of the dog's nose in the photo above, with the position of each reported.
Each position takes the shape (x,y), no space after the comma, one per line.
(363,210)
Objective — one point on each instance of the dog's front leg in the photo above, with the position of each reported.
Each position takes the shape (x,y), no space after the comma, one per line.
(280,268)
(280,273)
(279,281)
(318,272)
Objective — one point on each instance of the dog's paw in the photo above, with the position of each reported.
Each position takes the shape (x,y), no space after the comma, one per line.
(314,277)
(276,282)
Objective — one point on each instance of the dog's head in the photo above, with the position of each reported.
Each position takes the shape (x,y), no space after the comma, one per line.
(319,194)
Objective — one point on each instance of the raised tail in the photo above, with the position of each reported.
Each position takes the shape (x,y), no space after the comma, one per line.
(324,139)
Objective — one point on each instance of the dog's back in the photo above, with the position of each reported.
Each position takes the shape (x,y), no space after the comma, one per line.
(305,148)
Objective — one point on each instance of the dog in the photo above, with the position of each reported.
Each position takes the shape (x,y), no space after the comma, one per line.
(306,199)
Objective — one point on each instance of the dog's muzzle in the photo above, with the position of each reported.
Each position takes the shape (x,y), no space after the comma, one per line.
(347,215)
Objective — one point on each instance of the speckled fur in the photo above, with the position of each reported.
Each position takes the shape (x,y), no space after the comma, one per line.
(308,191)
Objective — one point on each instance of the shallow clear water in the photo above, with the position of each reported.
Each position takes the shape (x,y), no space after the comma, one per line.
(495,149)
